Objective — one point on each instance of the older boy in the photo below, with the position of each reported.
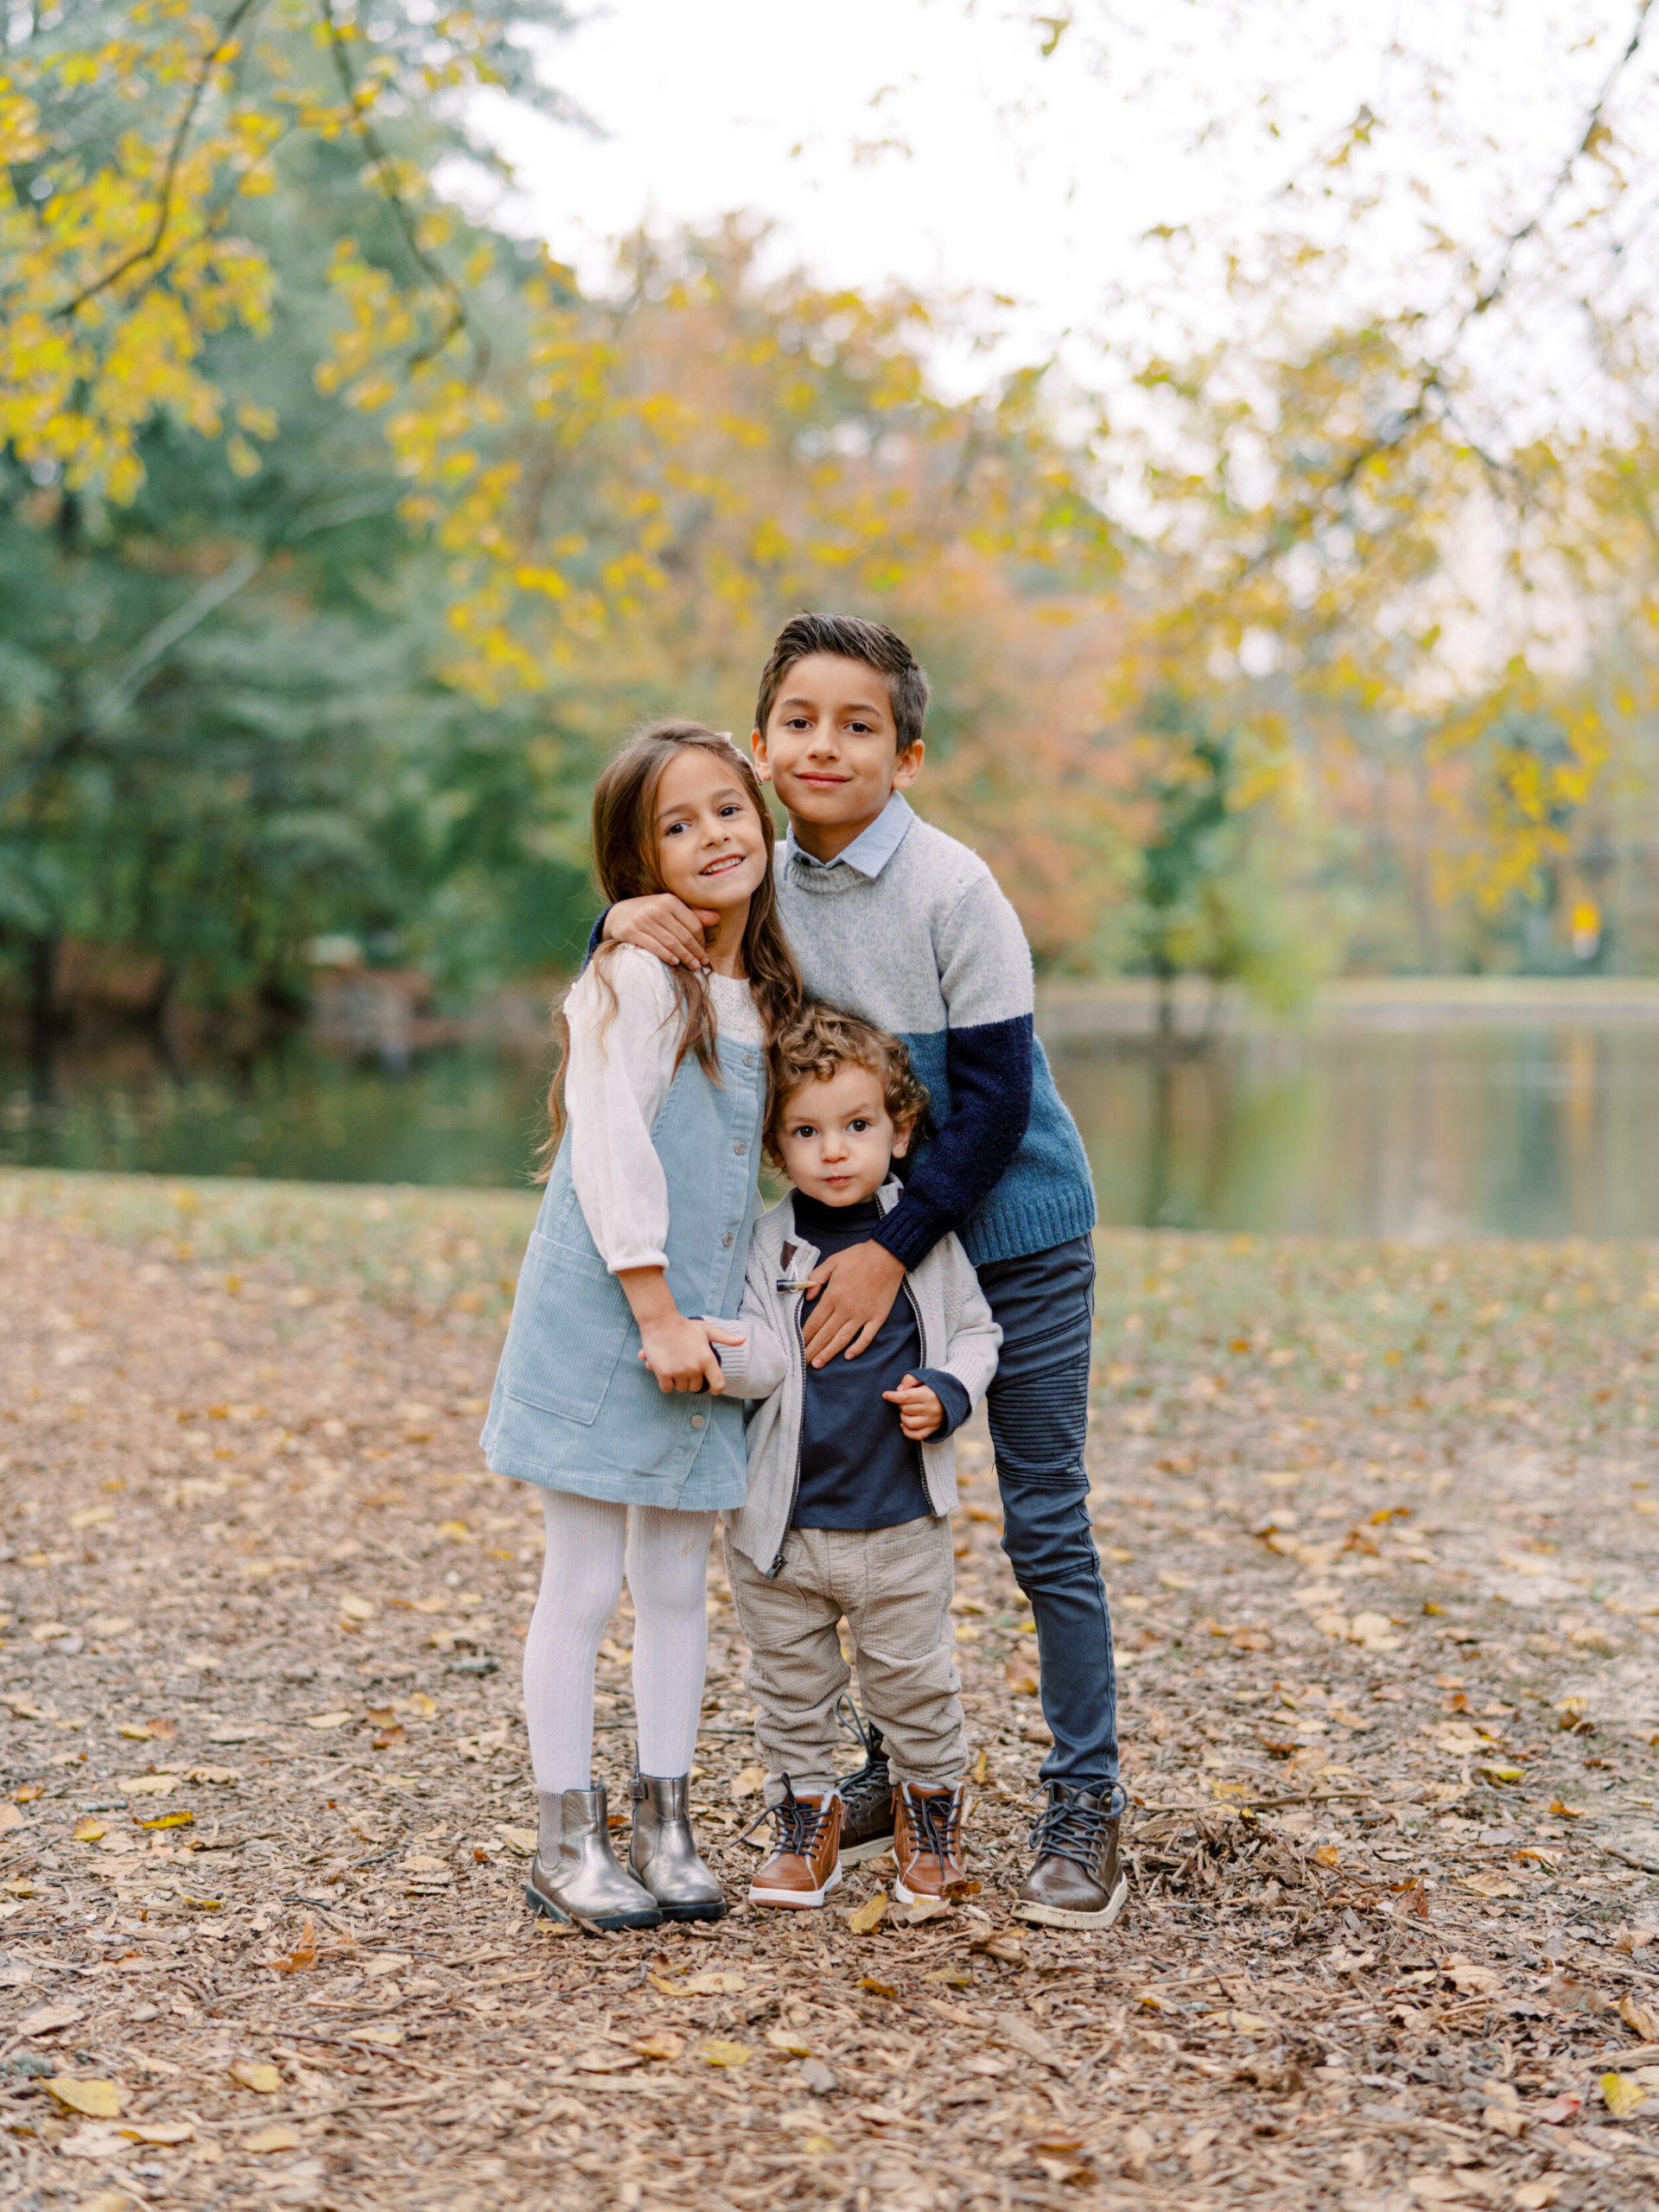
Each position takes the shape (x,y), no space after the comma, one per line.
(893,918)
(852,1479)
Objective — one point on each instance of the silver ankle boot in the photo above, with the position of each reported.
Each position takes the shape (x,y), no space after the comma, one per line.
(664,1853)
(574,1875)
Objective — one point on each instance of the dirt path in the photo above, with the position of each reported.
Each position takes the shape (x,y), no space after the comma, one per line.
(1383,1552)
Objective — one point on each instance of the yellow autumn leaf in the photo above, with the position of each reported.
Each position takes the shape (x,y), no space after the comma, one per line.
(150,1785)
(789,2043)
(520,1841)
(170,1821)
(1641,2020)
(272,2138)
(747,1781)
(88,1830)
(163,2132)
(869,1916)
(662,2044)
(254,2074)
(359,1609)
(326,1719)
(724,2053)
(1490,1885)
(97,2100)
(1565,1811)
(1621,2095)
(456,1531)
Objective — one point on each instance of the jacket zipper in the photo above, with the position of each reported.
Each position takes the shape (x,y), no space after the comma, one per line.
(921,1338)
(776,1567)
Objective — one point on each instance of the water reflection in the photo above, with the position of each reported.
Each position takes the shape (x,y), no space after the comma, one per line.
(1527,1132)
(1535,1131)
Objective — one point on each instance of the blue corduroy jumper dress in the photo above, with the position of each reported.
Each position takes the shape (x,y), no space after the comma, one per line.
(575,1408)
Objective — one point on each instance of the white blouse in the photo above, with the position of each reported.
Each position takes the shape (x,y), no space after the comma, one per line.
(614,1086)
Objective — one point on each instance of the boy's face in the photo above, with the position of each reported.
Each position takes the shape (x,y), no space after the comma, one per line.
(836,1139)
(830,750)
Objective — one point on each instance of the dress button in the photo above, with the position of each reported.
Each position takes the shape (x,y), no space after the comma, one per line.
(696,1421)
(726,1238)
(740,1147)
(748,1059)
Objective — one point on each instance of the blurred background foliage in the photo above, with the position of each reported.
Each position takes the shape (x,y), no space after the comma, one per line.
(340,536)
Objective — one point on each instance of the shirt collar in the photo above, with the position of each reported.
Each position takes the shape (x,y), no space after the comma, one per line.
(872,849)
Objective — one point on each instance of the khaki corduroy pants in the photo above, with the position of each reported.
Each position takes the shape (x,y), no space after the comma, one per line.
(892,1586)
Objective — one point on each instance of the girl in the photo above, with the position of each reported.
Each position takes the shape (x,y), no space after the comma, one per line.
(609,1393)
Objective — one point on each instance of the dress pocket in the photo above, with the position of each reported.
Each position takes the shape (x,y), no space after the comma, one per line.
(571,1325)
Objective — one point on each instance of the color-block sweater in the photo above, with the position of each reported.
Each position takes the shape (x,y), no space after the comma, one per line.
(909,928)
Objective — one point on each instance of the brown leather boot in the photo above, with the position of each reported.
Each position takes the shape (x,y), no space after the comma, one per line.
(805,1862)
(1075,1882)
(927,1841)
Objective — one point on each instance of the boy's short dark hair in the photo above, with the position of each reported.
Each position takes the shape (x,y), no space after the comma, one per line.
(824,1038)
(850,637)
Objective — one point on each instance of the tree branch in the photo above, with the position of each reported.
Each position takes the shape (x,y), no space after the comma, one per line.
(221,46)
(458,318)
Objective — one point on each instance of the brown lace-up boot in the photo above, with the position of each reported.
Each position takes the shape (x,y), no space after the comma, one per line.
(927,1841)
(1076,1881)
(804,1864)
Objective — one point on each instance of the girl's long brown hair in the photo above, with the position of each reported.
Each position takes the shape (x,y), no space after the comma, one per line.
(625,860)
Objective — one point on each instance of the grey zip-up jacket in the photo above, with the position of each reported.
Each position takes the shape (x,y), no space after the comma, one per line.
(958,1334)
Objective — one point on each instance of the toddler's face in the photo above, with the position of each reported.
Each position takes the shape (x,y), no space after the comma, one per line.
(710,849)
(836,1139)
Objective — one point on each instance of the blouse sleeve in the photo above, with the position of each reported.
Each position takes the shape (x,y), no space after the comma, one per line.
(618,1076)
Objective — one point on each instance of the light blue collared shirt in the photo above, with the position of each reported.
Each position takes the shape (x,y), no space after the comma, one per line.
(872,849)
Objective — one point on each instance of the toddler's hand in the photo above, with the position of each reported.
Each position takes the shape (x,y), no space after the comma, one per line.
(920,1410)
(679,1352)
(664,925)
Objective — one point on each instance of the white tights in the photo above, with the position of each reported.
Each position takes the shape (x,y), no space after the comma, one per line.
(666,1557)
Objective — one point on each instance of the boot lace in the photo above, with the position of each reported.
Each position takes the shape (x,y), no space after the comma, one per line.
(1069,1826)
(798,1827)
(937,1823)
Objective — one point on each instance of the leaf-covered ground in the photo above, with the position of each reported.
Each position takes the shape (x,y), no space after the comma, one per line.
(1382,1544)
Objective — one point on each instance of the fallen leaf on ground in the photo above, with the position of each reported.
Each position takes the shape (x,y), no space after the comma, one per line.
(254,2074)
(662,2044)
(787,2040)
(747,1781)
(326,1719)
(1564,1811)
(265,2139)
(47,2019)
(159,2130)
(869,1916)
(1559,2110)
(87,1830)
(304,1954)
(521,1841)
(97,2100)
(150,1785)
(1621,2095)
(1490,1885)
(1641,2019)
(724,2053)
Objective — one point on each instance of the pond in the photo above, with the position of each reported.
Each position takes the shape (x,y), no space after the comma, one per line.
(1540,1129)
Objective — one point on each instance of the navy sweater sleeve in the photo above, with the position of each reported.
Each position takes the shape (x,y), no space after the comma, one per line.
(990,1068)
(596,937)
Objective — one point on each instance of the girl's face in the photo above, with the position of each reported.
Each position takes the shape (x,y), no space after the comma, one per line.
(710,849)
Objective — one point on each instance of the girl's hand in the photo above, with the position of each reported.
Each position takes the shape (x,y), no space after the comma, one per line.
(680,1353)
(920,1410)
(664,925)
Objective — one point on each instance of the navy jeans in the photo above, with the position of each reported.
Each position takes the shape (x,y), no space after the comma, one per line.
(1038,1409)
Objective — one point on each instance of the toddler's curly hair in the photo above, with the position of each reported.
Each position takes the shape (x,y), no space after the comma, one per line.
(821,1041)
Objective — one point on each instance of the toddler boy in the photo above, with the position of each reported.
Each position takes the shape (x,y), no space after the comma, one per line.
(852,1474)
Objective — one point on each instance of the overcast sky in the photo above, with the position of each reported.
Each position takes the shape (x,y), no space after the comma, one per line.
(930,141)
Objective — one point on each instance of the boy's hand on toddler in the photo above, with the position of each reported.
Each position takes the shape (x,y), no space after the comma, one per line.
(848,1297)
(680,1353)
(920,1410)
(664,925)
